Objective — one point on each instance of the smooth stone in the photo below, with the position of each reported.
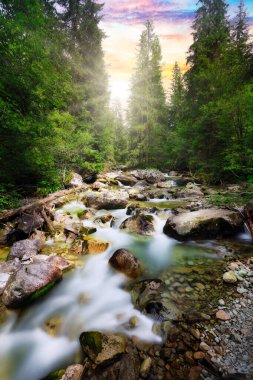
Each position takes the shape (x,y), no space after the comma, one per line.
(30,282)
(222,315)
(124,261)
(229,277)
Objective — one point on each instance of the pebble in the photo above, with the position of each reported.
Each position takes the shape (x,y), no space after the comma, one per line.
(221,314)
(198,355)
(221,302)
(229,277)
(146,366)
(204,346)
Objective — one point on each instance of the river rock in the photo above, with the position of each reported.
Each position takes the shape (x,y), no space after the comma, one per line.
(191,190)
(140,224)
(93,246)
(75,180)
(127,180)
(229,277)
(96,186)
(209,223)
(165,185)
(6,270)
(86,230)
(24,249)
(106,202)
(146,366)
(73,372)
(30,222)
(30,282)
(102,348)
(222,315)
(104,220)
(151,176)
(124,261)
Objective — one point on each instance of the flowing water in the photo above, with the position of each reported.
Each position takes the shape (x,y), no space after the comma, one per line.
(44,337)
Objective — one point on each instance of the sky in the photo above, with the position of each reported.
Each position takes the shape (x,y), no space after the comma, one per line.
(123,21)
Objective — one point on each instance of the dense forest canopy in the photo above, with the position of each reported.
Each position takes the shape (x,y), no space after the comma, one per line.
(55,111)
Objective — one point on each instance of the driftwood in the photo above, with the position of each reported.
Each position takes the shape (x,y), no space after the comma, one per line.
(47,221)
(38,204)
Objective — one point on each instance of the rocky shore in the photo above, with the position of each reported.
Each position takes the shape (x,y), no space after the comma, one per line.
(201,303)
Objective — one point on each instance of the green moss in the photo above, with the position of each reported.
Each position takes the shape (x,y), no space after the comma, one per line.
(93,340)
(56,375)
(42,291)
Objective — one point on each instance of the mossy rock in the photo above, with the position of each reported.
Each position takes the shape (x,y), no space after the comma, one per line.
(101,347)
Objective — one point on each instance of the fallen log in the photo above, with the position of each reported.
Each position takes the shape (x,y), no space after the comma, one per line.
(38,203)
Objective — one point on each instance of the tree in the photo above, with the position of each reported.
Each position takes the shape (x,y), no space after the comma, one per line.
(147,108)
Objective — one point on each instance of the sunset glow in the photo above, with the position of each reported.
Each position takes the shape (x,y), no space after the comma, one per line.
(123,23)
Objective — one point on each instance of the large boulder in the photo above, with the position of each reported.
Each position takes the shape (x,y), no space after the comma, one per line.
(107,201)
(151,176)
(140,224)
(191,190)
(203,224)
(124,261)
(30,282)
(30,222)
(6,270)
(75,180)
(24,249)
(127,180)
(102,348)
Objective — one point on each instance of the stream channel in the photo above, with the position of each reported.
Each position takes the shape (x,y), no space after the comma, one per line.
(44,336)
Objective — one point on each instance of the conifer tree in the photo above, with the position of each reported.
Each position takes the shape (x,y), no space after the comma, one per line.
(147,108)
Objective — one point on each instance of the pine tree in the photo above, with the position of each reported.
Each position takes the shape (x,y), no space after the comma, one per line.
(147,108)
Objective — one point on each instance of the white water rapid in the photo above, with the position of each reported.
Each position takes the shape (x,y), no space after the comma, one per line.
(87,299)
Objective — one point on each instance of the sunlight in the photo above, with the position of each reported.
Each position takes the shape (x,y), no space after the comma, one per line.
(119,89)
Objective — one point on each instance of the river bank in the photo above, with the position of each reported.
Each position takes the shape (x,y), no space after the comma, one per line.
(178,317)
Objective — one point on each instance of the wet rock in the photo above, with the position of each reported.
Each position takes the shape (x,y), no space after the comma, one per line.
(198,355)
(6,270)
(85,230)
(75,180)
(191,190)
(102,348)
(30,222)
(30,282)
(96,186)
(93,246)
(229,277)
(165,185)
(60,262)
(139,224)
(73,372)
(146,366)
(25,249)
(209,223)
(222,315)
(203,346)
(129,367)
(124,261)
(105,202)
(151,176)
(127,180)
(105,220)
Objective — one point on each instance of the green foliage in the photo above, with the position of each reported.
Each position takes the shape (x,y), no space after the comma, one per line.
(54,113)
(9,197)
(211,110)
(233,199)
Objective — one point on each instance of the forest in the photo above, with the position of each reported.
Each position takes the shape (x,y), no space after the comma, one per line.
(56,115)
